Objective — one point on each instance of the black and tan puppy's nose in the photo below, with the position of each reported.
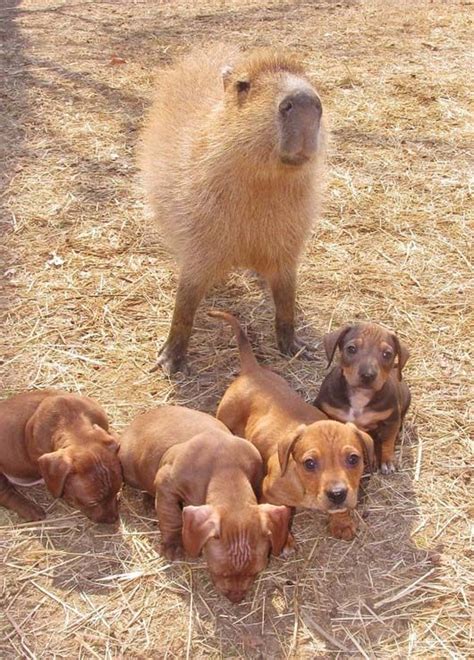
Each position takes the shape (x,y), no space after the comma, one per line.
(300,101)
(367,375)
(337,495)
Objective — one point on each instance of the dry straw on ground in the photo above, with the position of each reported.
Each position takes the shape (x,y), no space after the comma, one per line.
(87,297)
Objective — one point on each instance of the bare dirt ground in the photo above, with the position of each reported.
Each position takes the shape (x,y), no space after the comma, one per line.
(87,293)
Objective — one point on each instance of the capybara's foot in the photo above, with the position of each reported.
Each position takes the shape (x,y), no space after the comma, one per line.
(171,360)
(290,344)
(172,551)
(342,526)
(289,548)
(388,467)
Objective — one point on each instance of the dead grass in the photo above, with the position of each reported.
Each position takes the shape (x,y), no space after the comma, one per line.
(86,302)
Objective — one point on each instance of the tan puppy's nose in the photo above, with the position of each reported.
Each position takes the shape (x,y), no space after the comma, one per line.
(337,494)
(235,595)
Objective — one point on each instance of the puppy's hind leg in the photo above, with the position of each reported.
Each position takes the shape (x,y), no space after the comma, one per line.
(12,499)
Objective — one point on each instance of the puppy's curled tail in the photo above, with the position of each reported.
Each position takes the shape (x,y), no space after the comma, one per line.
(247,358)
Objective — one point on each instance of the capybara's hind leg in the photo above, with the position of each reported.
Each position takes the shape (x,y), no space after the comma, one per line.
(12,499)
(172,357)
(283,286)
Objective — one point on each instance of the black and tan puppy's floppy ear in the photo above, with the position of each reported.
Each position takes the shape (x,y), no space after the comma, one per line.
(55,468)
(402,352)
(367,446)
(200,523)
(332,340)
(275,523)
(285,447)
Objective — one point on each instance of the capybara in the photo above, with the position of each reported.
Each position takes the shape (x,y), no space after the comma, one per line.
(232,159)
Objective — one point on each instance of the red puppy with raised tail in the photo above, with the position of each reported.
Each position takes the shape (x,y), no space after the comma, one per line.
(205,483)
(64,440)
(311,462)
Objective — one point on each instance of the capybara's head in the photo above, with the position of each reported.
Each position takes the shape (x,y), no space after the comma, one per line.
(368,354)
(88,477)
(236,544)
(272,111)
(329,460)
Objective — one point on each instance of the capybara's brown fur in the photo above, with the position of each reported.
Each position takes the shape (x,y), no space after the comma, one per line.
(232,157)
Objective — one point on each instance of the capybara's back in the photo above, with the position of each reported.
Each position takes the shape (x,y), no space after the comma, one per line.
(232,157)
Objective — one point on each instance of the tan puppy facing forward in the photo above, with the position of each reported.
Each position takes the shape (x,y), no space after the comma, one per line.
(64,439)
(311,462)
(185,458)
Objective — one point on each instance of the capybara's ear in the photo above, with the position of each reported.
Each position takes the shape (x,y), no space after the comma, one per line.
(402,352)
(285,447)
(200,523)
(275,523)
(226,73)
(54,468)
(332,340)
(366,444)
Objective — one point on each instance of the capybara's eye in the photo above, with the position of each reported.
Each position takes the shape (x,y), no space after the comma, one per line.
(243,85)
(310,464)
(351,349)
(387,354)
(352,460)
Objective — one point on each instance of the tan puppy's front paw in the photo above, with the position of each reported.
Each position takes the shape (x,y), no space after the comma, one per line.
(289,549)
(388,468)
(342,526)
(172,551)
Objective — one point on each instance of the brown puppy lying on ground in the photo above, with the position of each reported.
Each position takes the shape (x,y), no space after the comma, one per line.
(310,463)
(61,438)
(187,458)
(367,387)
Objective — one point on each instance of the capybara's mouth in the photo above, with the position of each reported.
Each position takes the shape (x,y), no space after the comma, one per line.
(295,159)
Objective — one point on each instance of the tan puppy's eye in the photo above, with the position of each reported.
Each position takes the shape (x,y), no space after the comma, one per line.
(387,354)
(353,460)
(310,464)
(351,349)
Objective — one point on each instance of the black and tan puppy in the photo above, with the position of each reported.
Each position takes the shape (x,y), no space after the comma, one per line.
(366,388)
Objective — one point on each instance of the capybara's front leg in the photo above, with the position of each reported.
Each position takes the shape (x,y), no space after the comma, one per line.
(172,356)
(12,499)
(283,286)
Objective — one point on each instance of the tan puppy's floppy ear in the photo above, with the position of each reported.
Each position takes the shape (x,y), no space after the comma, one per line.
(402,352)
(55,468)
(367,445)
(285,447)
(200,523)
(275,523)
(332,340)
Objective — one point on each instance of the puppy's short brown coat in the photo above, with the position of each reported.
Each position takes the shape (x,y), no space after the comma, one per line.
(311,462)
(64,439)
(185,458)
(367,387)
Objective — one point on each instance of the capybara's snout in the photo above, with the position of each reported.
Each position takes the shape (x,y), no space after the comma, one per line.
(299,114)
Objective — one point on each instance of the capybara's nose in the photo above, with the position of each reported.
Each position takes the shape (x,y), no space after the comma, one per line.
(235,595)
(303,100)
(337,495)
(367,375)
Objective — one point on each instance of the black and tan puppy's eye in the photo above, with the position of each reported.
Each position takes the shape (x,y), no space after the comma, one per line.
(351,349)
(353,460)
(310,464)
